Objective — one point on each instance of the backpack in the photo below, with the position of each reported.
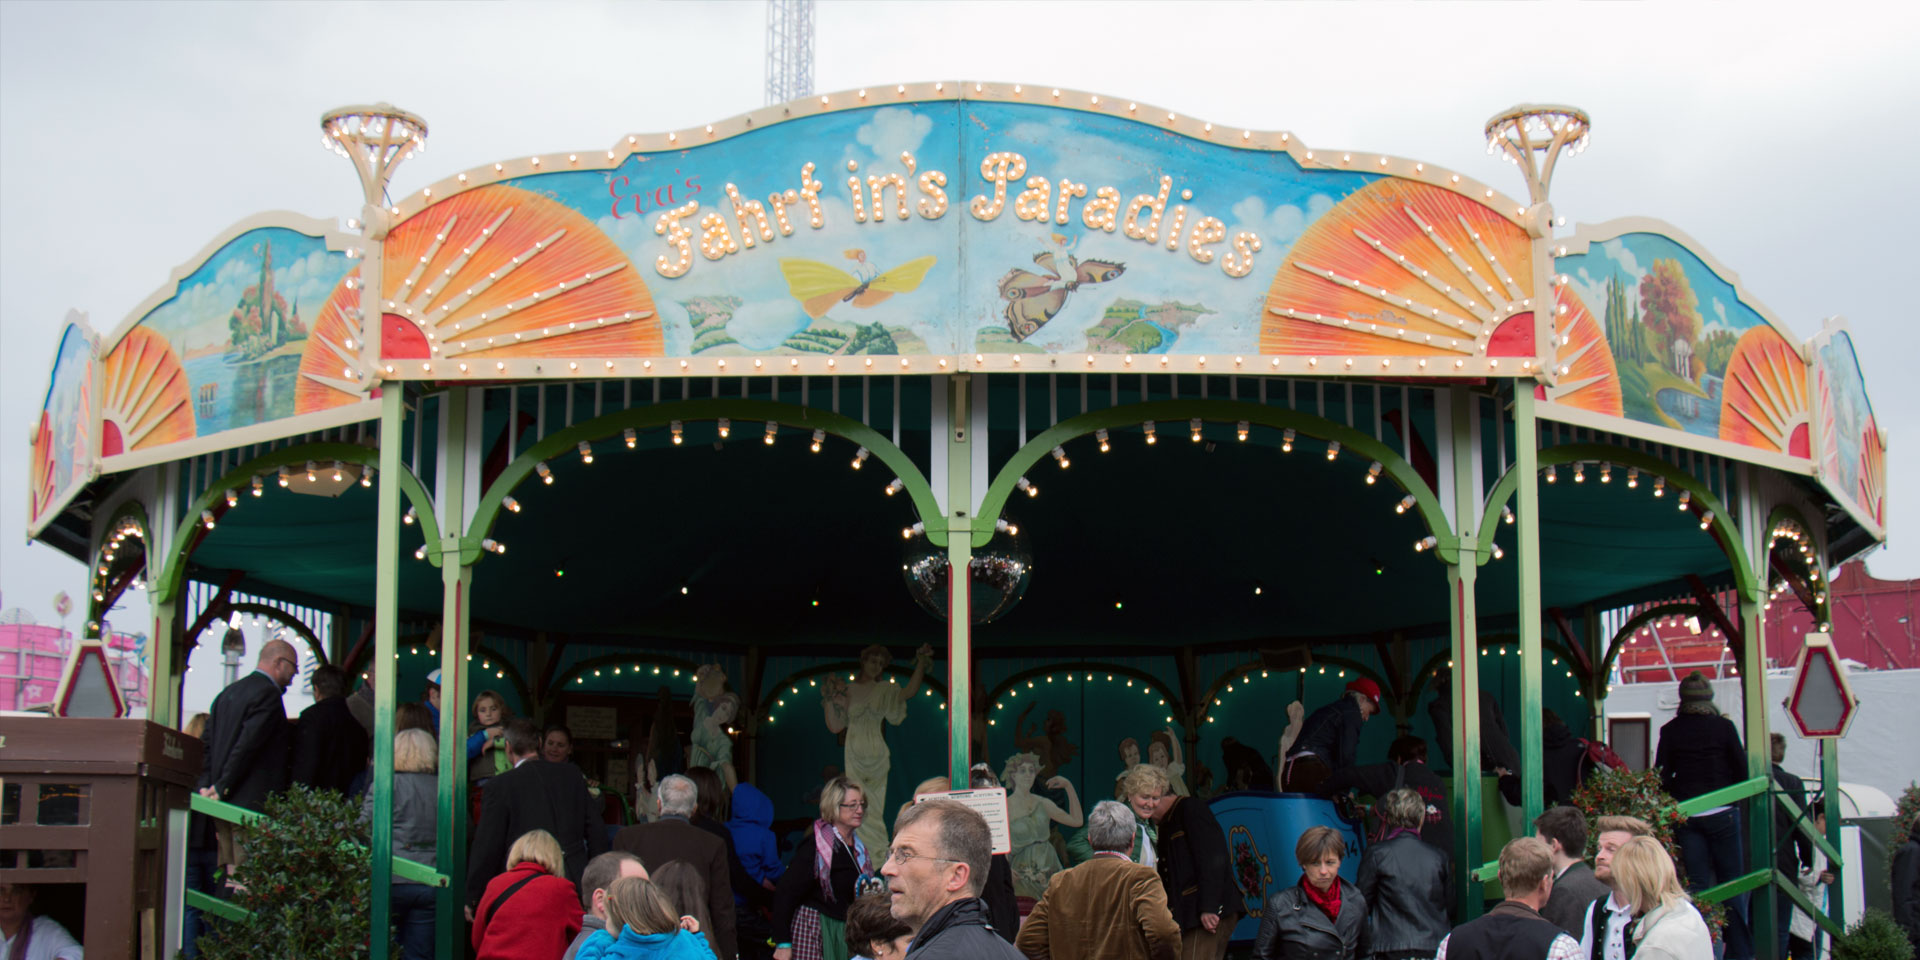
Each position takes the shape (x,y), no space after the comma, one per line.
(1596,755)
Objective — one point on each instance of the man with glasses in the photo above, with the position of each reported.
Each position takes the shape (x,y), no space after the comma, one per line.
(935,870)
(248,741)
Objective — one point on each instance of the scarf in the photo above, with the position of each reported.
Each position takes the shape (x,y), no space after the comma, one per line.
(825,838)
(1328,902)
(22,940)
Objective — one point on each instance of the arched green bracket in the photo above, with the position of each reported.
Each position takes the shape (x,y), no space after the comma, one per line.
(241,478)
(132,510)
(770,700)
(1788,514)
(1626,631)
(582,670)
(1723,526)
(279,616)
(1178,412)
(654,416)
(1012,683)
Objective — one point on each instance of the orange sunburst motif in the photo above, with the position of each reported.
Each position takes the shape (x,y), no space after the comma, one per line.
(1873,472)
(491,272)
(1399,268)
(1763,401)
(1588,376)
(330,374)
(144,403)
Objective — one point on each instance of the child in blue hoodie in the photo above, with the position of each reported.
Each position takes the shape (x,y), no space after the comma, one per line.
(752,829)
(648,925)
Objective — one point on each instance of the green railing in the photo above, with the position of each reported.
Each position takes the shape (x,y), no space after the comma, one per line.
(221,810)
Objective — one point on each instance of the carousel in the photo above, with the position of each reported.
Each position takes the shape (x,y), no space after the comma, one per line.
(681,439)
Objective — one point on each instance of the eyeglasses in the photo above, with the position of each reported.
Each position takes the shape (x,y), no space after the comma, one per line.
(904,857)
(855,805)
(289,661)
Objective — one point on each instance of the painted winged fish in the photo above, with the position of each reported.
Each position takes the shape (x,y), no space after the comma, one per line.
(1033,299)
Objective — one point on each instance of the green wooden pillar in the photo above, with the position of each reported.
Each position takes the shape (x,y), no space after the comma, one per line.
(164,659)
(1465,676)
(456,576)
(386,631)
(1751,655)
(1532,662)
(959,525)
(1830,790)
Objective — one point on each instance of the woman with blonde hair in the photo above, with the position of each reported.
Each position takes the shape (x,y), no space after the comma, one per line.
(810,901)
(648,926)
(530,912)
(1666,925)
(416,818)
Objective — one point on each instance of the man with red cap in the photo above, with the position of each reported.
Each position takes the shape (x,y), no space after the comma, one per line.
(1330,739)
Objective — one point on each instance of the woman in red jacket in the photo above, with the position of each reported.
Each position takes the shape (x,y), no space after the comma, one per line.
(532,911)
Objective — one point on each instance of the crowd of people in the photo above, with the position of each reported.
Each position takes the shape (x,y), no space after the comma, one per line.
(700,873)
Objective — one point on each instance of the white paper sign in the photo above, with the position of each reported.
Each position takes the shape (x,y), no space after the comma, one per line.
(989,804)
(593,723)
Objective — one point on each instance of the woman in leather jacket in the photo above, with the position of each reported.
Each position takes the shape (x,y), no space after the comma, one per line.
(1322,916)
(1407,882)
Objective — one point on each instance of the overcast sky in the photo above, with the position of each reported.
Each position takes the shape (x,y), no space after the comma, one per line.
(1778,137)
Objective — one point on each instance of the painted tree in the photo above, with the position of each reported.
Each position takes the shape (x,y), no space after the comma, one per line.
(1668,305)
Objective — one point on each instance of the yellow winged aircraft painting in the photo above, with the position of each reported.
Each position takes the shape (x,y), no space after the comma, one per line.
(819,287)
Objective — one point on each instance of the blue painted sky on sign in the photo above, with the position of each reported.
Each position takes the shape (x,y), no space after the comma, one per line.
(70,369)
(304,273)
(1630,256)
(1259,191)
(1847,393)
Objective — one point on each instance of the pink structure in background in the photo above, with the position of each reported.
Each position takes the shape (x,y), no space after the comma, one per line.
(32,656)
(1875,623)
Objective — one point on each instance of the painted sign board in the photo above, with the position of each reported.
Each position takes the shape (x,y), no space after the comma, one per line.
(1822,704)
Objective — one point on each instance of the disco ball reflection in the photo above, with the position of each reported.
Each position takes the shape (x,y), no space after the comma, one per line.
(1000,572)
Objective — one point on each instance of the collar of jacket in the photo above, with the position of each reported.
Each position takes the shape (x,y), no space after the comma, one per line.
(959,913)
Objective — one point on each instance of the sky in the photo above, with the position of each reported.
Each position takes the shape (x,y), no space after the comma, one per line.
(131,134)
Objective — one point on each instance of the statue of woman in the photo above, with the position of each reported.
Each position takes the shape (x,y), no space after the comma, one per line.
(859,709)
(1030,819)
(1164,752)
(1129,758)
(712,711)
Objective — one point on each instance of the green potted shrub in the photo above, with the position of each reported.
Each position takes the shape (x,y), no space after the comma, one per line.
(1625,793)
(1875,937)
(305,883)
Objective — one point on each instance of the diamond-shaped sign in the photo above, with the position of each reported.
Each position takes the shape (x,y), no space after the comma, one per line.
(1823,703)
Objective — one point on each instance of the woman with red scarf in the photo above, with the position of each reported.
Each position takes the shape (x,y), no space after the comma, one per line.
(823,878)
(1321,917)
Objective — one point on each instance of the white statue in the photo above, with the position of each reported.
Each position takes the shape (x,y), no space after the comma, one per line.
(859,709)
(713,709)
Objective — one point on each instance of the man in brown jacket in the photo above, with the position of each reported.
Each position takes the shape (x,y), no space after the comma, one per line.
(1108,908)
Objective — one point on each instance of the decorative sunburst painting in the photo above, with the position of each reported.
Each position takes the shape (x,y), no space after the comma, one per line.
(146,398)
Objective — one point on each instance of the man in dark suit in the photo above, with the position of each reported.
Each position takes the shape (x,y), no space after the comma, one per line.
(1792,850)
(674,837)
(247,740)
(329,748)
(534,795)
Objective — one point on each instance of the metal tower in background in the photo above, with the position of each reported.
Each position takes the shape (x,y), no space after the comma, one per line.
(789,50)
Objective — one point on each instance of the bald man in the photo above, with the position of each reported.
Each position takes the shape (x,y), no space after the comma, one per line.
(248,740)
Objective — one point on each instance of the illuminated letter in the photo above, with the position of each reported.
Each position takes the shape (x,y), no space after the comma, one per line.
(1207,231)
(1068,190)
(877,187)
(1148,201)
(1174,227)
(1239,261)
(1103,210)
(1032,202)
(809,193)
(751,214)
(677,235)
(933,206)
(999,168)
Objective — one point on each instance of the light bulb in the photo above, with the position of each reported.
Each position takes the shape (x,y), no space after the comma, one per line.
(1101,435)
(258,486)
(1686,497)
(1373,472)
(630,436)
(1241,429)
(206,517)
(233,497)
(1406,503)
(1032,489)
(408,517)
(546,475)
(1579,473)
(1497,552)
(1553,475)
(1333,450)
(895,487)
(819,437)
(511,504)
(1506,514)
(1194,425)
(1286,441)
(1606,473)
(336,471)
(586,452)
(859,457)
(1425,543)
(313,470)
(366,476)
(676,428)
(1060,457)
(1659,487)
(772,430)
(1147,428)
(1706,520)
(1633,477)
(726,427)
